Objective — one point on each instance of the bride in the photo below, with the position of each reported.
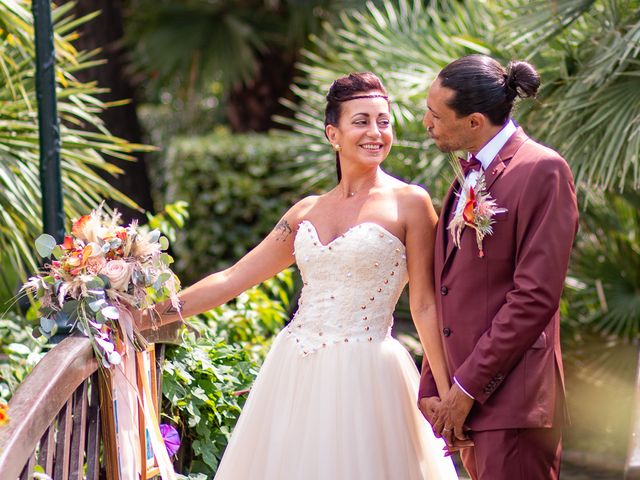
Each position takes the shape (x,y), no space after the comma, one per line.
(336,397)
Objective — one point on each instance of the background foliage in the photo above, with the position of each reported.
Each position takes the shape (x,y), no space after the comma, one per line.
(207,377)
(193,83)
(86,144)
(235,199)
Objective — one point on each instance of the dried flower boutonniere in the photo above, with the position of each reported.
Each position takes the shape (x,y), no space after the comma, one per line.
(478,212)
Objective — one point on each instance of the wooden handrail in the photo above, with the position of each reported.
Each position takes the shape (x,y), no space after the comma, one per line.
(632,465)
(40,398)
(169,333)
(45,392)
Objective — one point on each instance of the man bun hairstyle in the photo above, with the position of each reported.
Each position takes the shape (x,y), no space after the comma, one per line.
(484,86)
(350,87)
(522,79)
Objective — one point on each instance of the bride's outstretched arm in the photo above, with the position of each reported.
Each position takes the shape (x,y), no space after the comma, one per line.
(272,255)
(421,222)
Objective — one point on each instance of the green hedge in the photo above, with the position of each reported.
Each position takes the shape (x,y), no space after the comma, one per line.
(237,187)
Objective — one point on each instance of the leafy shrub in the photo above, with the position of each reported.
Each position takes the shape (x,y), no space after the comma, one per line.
(234,194)
(203,376)
(19,353)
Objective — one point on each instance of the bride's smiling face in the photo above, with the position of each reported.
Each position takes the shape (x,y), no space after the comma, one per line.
(364,131)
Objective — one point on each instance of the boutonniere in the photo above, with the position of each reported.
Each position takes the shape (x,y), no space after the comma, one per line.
(478,212)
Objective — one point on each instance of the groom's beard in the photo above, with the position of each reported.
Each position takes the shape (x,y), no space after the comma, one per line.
(451,144)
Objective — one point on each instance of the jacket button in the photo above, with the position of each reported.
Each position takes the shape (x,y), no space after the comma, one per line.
(446,331)
(444,290)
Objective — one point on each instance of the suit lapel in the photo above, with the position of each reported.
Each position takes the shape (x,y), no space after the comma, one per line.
(492,173)
(445,218)
(447,210)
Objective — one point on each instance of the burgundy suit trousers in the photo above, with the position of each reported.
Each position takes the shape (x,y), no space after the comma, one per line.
(514,454)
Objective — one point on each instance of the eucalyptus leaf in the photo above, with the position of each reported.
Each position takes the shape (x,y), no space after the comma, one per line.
(96,282)
(46,325)
(45,244)
(70,307)
(97,305)
(110,312)
(105,280)
(154,235)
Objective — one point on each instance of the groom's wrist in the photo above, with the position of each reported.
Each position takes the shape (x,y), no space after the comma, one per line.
(462,388)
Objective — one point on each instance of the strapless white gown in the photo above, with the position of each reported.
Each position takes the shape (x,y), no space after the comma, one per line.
(336,396)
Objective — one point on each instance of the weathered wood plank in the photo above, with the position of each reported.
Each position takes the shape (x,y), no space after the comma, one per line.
(78,433)
(63,442)
(47,449)
(28,468)
(93,430)
(169,333)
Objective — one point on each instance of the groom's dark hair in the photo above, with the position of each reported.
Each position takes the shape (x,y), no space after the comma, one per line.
(482,85)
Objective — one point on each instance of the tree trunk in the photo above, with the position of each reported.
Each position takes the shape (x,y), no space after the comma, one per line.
(252,106)
(106,32)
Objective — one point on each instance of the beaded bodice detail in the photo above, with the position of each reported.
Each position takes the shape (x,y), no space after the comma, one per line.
(350,286)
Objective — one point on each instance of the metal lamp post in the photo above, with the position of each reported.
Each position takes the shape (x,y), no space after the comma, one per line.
(49,128)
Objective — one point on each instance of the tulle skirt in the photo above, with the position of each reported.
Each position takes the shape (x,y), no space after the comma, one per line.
(345,412)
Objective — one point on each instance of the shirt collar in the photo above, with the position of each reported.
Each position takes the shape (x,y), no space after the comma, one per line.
(493,146)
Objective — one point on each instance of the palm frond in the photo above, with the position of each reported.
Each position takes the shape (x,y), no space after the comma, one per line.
(405,43)
(589,104)
(83,151)
(605,291)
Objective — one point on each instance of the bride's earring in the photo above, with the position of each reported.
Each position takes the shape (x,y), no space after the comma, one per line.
(337,147)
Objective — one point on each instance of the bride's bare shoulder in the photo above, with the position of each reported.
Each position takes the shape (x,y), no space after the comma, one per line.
(414,203)
(300,210)
(407,192)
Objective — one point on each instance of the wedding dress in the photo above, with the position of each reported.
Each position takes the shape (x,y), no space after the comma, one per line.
(336,396)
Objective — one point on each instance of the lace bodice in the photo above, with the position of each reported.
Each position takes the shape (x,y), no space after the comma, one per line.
(350,286)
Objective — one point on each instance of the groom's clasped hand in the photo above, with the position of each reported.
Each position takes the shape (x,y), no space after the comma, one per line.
(447,417)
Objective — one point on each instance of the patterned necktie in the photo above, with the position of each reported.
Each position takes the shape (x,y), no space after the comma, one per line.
(467,165)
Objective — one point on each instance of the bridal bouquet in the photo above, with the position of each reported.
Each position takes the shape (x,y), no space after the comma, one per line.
(95,273)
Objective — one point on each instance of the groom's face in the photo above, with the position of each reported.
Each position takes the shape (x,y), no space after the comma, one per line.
(449,132)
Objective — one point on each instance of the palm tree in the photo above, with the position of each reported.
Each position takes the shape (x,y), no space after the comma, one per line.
(246,49)
(104,33)
(588,108)
(588,52)
(405,43)
(85,143)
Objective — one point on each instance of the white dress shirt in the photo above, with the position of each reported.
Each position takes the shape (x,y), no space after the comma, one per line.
(485,156)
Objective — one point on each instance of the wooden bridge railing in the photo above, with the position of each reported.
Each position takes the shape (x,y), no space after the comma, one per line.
(632,466)
(55,415)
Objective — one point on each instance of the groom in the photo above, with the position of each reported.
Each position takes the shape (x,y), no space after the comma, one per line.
(498,297)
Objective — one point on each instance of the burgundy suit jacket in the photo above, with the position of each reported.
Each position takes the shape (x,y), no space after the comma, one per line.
(499,314)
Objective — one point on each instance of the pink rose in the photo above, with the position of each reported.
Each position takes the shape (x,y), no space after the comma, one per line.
(118,272)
